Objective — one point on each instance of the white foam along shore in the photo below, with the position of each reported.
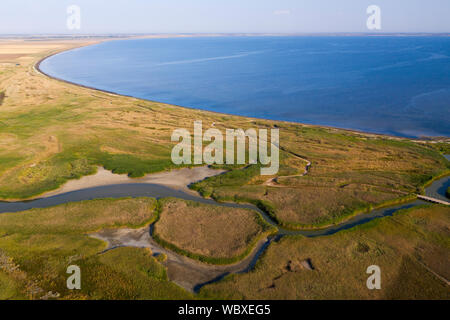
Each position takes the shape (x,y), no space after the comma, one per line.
(178,179)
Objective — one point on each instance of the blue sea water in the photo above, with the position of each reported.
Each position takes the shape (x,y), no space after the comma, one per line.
(392,85)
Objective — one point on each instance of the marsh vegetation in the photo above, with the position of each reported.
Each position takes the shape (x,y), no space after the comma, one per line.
(209,233)
(412,249)
(52,132)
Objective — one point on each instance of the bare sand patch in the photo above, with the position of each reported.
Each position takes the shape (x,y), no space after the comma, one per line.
(10,56)
(186,272)
(178,179)
(24,49)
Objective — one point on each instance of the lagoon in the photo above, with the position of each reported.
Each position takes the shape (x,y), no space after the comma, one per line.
(388,84)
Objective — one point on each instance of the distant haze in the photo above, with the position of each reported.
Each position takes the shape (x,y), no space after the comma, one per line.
(222,16)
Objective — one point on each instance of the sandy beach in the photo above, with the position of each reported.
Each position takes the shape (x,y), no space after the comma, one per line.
(178,179)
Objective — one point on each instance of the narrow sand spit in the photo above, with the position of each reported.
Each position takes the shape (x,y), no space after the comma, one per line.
(187,273)
(178,179)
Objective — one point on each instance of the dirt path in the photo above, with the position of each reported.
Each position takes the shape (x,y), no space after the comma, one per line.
(273,182)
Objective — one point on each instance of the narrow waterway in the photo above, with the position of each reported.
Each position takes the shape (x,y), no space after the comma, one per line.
(436,189)
(188,273)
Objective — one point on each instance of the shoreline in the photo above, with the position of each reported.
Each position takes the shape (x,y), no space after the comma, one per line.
(36,67)
(191,273)
(62,189)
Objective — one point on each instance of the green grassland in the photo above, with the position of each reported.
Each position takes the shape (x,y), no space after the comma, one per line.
(349,174)
(52,131)
(412,248)
(38,245)
(9,288)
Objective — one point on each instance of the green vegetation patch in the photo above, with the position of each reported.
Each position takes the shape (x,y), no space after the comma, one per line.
(10,288)
(38,245)
(412,248)
(128,273)
(350,174)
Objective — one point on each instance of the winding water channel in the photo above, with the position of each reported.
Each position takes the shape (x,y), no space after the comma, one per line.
(200,273)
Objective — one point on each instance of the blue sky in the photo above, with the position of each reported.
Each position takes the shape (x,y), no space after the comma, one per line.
(193,16)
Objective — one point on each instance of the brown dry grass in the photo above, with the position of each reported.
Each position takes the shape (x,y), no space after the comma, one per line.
(208,230)
(37,246)
(412,249)
(52,131)
(79,216)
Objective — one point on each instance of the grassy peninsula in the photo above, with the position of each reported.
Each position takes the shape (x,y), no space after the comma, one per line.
(53,131)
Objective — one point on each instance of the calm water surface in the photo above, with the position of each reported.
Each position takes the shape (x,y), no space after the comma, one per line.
(158,191)
(392,85)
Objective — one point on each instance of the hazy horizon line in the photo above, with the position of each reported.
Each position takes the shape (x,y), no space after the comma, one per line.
(223,33)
